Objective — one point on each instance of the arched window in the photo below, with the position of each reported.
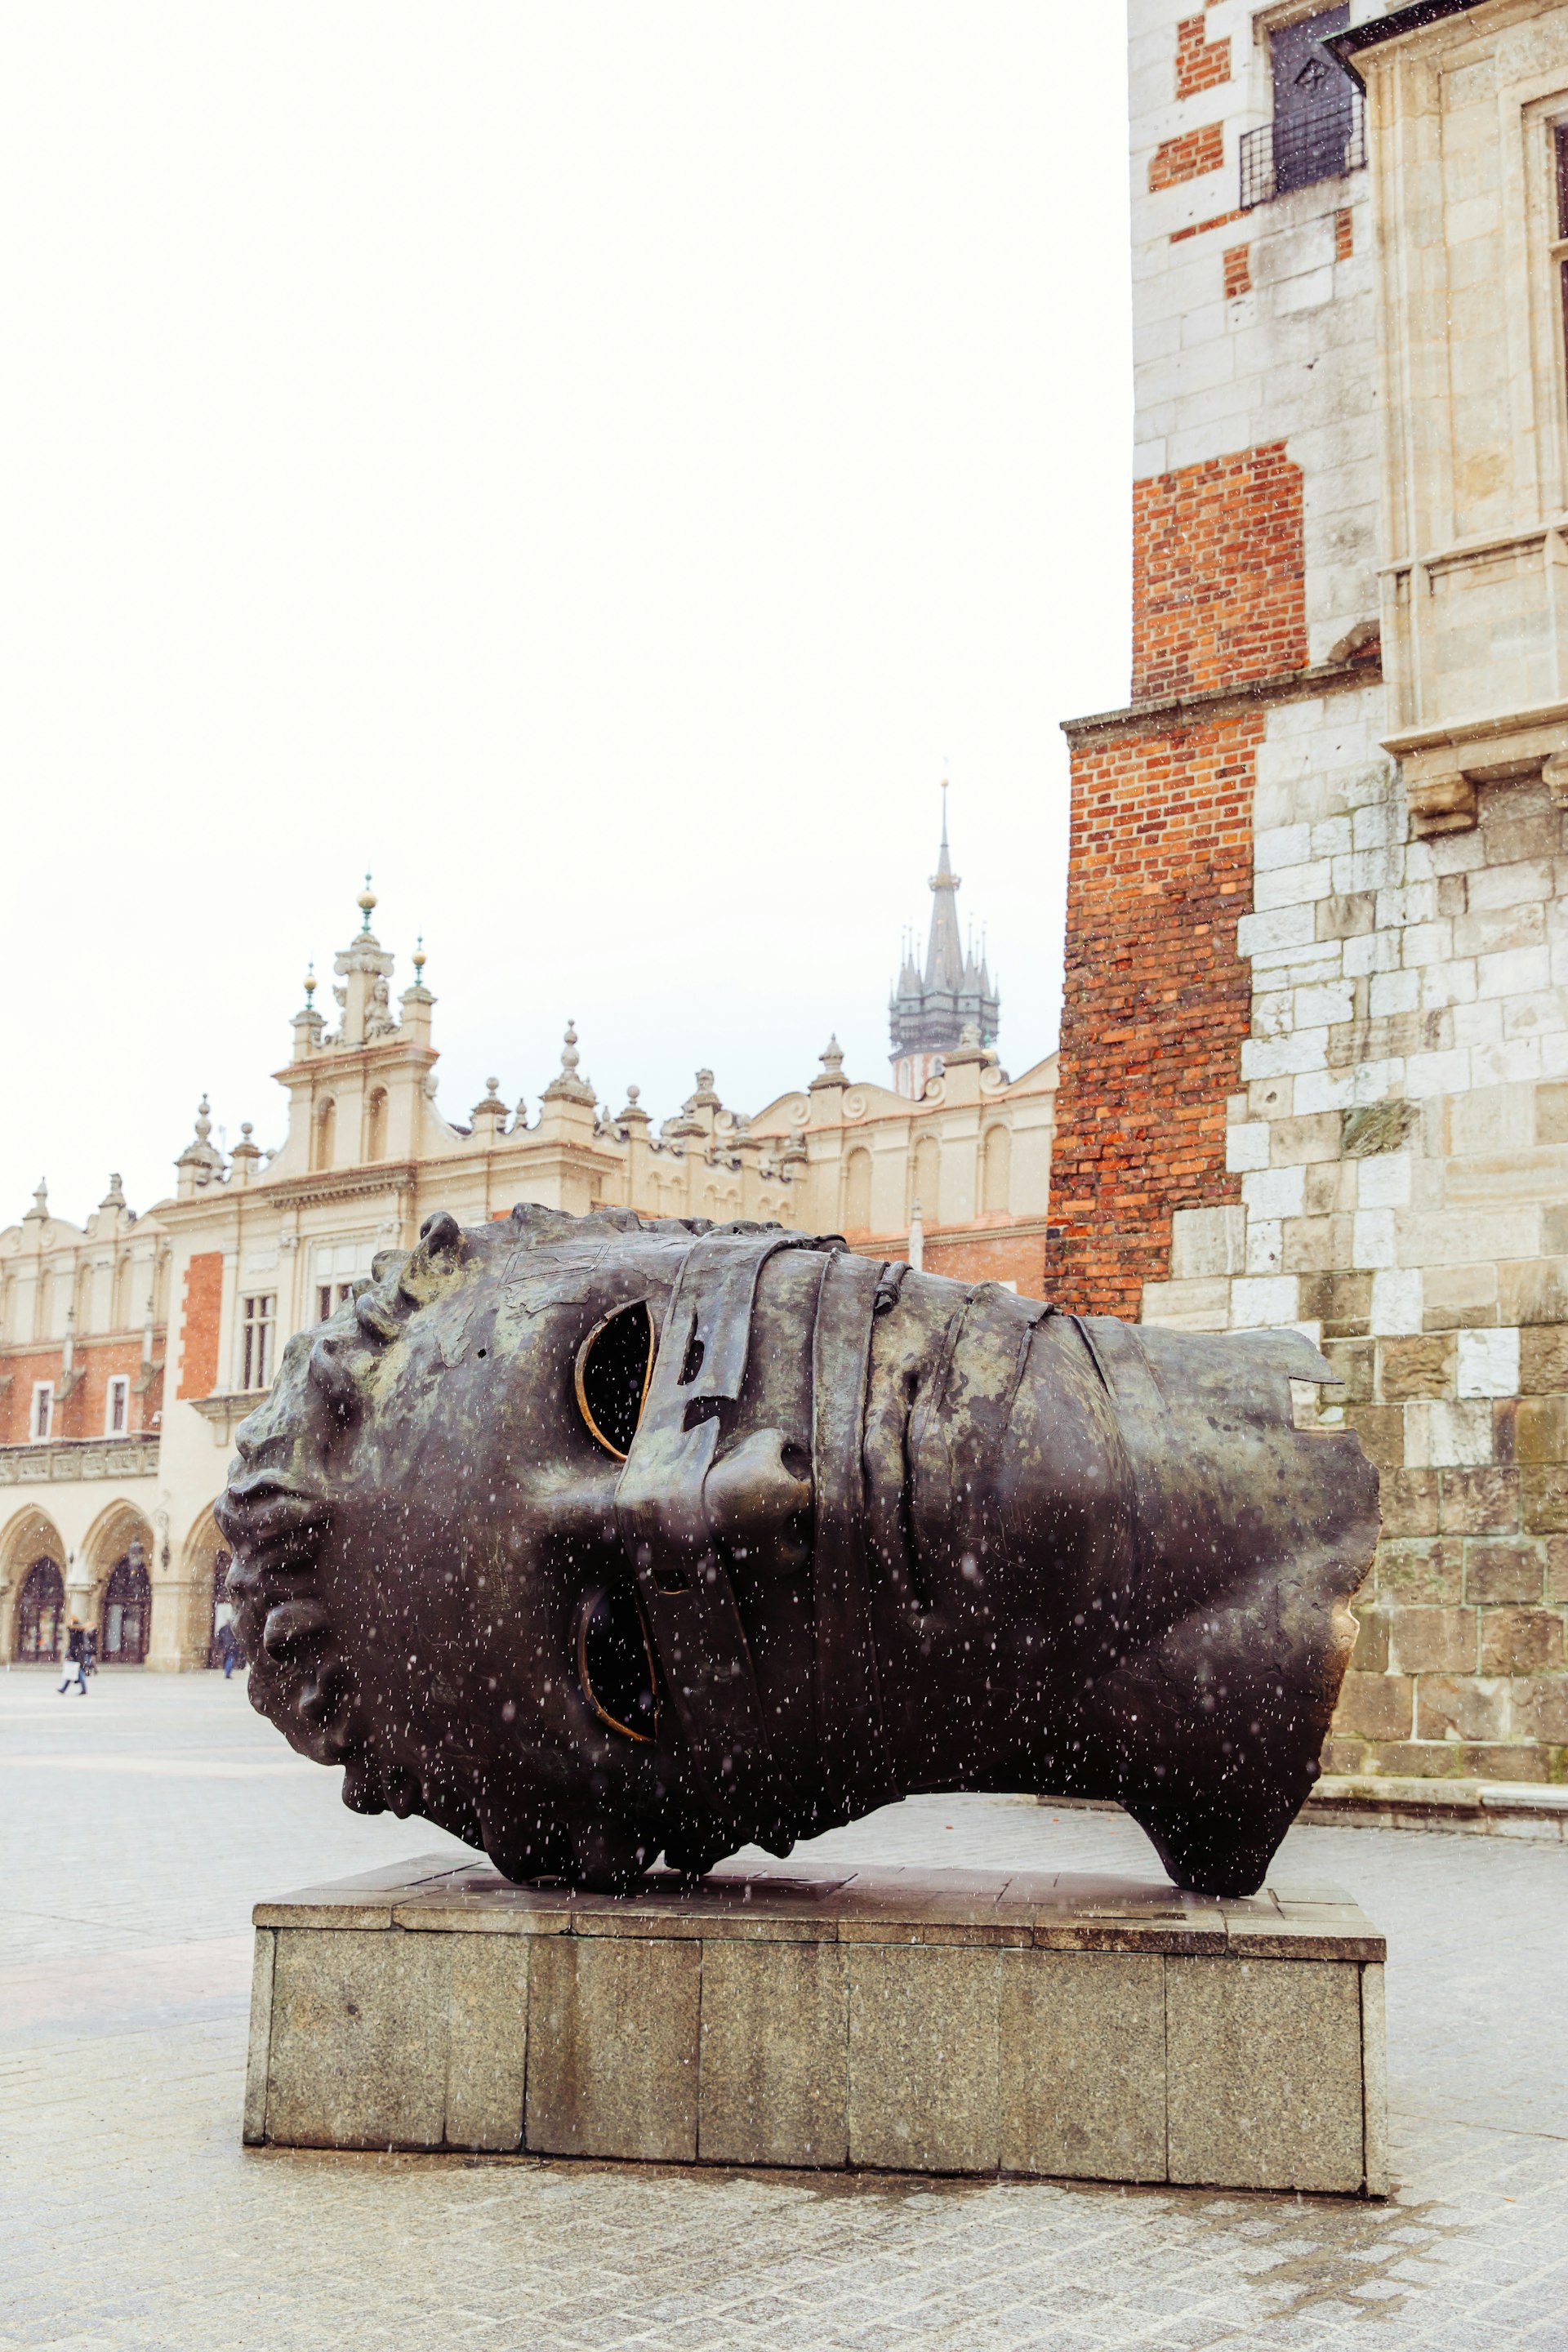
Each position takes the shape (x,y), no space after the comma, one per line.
(927,1188)
(858,1192)
(996,1191)
(375,1124)
(326,1134)
(127,1608)
(41,1615)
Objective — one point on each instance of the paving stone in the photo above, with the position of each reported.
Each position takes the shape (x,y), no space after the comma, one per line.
(135,2221)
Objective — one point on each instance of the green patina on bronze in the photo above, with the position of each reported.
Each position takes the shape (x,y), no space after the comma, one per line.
(874,1533)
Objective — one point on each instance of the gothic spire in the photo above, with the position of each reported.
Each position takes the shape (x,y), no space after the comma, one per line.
(944,950)
(931,1009)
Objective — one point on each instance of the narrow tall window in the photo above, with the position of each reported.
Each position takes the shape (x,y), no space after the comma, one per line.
(117,1406)
(329,1296)
(43,1409)
(257,1317)
(1319,131)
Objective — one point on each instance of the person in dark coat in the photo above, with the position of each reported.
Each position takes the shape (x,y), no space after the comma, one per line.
(76,1658)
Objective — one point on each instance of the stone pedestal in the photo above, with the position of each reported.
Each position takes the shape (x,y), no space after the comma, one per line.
(942,2021)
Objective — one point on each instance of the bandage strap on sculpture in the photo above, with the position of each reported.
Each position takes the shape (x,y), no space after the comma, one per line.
(690,1606)
(853,1769)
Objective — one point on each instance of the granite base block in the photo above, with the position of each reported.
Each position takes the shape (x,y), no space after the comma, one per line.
(923,2021)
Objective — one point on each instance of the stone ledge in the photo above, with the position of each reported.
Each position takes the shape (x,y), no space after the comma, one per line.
(1045,2024)
(1532,1810)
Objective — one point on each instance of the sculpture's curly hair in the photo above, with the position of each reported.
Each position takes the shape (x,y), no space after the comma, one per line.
(277,1514)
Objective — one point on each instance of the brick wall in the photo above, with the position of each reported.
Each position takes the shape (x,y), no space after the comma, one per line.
(1190,157)
(1200,64)
(1156,1002)
(199,1324)
(1217,575)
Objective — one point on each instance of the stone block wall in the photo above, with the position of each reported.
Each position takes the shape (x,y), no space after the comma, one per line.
(1376,1005)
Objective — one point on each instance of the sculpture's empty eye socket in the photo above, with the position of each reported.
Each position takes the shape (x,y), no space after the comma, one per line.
(615,1664)
(614,1364)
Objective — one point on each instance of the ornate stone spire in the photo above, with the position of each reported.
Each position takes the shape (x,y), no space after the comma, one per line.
(569,1087)
(489,1116)
(39,1212)
(201,1162)
(245,1159)
(832,1067)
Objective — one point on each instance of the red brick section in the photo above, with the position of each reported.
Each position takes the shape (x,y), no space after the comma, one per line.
(82,1414)
(203,1307)
(1238,272)
(1217,575)
(1345,233)
(1157,1003)
(990,1257)
(1201,228)
(999,1252)
(1190,157)
(1200,64)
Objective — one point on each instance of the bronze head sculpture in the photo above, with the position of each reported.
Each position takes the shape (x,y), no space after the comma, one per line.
(593,1539)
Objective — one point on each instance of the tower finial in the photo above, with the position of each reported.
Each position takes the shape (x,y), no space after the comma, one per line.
(311,986)
(367,900)
(419,962)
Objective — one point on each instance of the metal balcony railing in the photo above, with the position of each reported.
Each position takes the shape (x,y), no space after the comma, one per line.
(1302,149)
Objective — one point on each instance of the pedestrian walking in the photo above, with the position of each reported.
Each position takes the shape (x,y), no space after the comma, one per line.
(227,1641)
(76,1658)
(89,1651)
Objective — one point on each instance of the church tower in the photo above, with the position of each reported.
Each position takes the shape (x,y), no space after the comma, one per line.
(929,1012)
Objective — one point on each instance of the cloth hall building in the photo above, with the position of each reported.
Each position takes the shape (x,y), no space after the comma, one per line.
(132,1346)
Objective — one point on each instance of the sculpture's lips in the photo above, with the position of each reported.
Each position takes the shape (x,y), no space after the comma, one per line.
(265,1513)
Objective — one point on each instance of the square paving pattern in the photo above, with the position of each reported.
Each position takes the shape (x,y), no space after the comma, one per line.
(142,1823)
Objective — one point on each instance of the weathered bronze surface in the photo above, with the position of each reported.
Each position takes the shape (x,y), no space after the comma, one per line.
(873,1532)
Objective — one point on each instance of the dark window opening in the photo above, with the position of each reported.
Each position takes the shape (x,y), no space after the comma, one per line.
(1319,131)
(41,1615)
(127,1607)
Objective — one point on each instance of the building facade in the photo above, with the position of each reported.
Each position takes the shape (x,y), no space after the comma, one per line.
(131,1347)
(1315,1043)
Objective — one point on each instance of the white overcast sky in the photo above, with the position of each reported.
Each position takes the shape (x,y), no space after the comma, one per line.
(600,466)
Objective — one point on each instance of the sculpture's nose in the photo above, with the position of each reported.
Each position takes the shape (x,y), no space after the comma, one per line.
(758,1484)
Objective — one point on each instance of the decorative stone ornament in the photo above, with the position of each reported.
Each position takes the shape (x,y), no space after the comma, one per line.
(593,1539)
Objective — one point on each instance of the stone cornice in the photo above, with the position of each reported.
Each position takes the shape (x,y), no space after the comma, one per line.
(1414,18)
(133,1457)
(1173,714)
(324,1184)
(336,1058)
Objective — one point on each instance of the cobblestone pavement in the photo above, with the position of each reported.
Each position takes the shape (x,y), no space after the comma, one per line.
(141,1822)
